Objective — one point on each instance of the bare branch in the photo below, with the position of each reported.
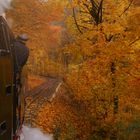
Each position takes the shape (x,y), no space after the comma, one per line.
(74,15)
(133,42)
(127,8)
(100,11)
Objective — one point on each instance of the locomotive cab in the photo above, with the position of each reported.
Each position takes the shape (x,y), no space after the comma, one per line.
(11,91)
(6,82)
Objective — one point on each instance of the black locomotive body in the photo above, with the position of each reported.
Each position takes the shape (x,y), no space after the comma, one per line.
(11,92)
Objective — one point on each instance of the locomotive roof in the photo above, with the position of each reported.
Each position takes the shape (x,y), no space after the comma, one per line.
(6,36)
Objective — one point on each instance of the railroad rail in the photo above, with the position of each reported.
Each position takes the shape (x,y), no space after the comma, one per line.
(37,97)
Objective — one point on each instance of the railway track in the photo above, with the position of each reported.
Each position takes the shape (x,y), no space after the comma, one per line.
(37,98)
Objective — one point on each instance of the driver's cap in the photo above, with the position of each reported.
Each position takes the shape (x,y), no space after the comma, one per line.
(23,37)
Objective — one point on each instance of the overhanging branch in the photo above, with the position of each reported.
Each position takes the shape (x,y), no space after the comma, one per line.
(75,20)
(127,8)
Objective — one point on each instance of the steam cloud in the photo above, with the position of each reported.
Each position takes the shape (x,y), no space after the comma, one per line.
(4,4)
(34,134)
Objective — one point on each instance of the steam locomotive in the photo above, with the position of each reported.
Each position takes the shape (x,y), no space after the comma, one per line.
(11,92)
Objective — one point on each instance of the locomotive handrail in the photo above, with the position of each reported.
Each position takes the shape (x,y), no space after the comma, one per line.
(4,51)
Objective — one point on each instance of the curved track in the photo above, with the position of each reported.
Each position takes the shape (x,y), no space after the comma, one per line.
(36,99)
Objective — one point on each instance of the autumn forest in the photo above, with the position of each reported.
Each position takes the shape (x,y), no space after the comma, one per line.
(93,46)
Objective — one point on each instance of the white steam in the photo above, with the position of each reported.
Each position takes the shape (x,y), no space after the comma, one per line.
(34,134)
(4,4)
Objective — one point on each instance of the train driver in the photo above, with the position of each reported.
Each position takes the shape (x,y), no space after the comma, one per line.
(21,52)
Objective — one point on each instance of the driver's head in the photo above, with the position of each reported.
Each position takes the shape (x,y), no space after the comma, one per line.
(23,38)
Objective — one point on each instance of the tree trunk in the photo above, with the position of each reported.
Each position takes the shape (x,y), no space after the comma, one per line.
(115,98)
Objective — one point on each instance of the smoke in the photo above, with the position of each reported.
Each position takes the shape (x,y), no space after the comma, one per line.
(34,134)
(4,4)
